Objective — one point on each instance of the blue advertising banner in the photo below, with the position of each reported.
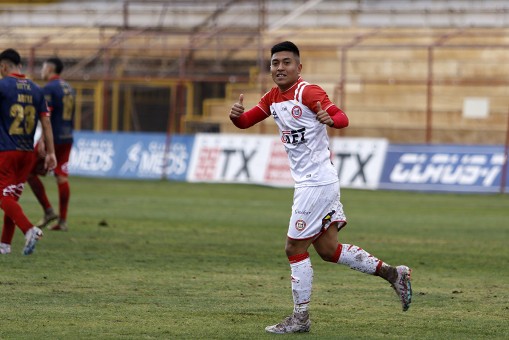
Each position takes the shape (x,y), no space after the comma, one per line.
(451,168)
(130,155)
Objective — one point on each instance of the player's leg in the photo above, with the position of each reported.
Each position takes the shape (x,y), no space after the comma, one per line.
(37,186)
(7,235)
(11,169)
(358,259)
(304,226)
(39,191)
(354,257)
(13,210)
(302,281)
(62,177)
(64,194)
(23,165)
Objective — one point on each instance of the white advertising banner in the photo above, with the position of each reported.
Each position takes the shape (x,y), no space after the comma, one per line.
(262,159)
(359,161)
(230,158)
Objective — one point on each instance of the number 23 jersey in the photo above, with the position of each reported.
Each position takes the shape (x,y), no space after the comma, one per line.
(304,137)
(21,104)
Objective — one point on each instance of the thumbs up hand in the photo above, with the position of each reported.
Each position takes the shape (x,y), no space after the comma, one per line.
(322,116)
(238,108)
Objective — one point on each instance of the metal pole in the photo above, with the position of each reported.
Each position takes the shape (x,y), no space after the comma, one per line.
(429,96)
(342,92)
(125,14)
(31,62)
(506,158)
(262,71)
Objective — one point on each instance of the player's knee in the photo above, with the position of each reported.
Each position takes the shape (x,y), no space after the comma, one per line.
(293,248)
(290,250)
(61,179)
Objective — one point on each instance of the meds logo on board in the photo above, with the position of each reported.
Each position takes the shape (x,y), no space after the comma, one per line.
(92,155)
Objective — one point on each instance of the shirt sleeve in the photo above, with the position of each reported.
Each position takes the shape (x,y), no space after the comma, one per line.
(249,118)
(43,108)
(313,94)
(255,115)
(337,115)
(48,96)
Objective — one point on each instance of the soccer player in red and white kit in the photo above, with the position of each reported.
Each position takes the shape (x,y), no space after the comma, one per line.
(60,97)
(22,104)
(302,111)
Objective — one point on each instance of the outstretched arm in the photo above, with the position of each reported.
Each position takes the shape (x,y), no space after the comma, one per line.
(242,119)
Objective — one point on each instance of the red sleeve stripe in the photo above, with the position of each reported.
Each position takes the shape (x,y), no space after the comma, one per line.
(268,114)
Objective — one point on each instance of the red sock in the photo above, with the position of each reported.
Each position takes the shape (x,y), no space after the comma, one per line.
(8,230)
(64,193)
(39,191)
(14,211)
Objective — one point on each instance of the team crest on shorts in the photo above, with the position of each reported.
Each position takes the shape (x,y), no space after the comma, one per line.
(300,225)
(296,112)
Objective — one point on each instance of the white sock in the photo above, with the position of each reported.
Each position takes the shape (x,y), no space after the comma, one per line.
(302,281)
(358,259)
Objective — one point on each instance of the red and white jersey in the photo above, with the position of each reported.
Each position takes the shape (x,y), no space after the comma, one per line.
(304,137)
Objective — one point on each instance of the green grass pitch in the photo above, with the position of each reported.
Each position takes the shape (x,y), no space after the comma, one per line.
(166,260)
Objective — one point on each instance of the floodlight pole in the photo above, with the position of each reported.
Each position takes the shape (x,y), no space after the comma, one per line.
(429,97)
(506,158)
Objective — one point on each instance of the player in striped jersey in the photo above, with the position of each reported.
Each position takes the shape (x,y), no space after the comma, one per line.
(22,104)
(302,111)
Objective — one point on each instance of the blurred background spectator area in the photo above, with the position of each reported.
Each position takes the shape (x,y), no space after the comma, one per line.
(409,71)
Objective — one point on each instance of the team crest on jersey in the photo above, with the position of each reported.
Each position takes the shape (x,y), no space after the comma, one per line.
(300,225)
(296,112)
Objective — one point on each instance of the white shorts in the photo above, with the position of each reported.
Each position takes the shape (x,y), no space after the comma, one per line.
(314,209)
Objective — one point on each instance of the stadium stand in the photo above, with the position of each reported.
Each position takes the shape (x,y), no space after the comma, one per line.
(403,70)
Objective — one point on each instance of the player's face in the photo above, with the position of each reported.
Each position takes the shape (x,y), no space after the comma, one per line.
(285,69)
(45,71)
(4,69)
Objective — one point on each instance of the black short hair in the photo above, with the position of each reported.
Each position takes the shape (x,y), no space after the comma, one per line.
(285,46)
(59,65)
(11,55)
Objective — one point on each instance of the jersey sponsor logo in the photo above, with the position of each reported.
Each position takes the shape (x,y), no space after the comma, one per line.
(294,136)
(300,225)
(296,112)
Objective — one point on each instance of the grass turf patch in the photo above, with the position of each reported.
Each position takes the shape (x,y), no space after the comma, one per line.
(161,260)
